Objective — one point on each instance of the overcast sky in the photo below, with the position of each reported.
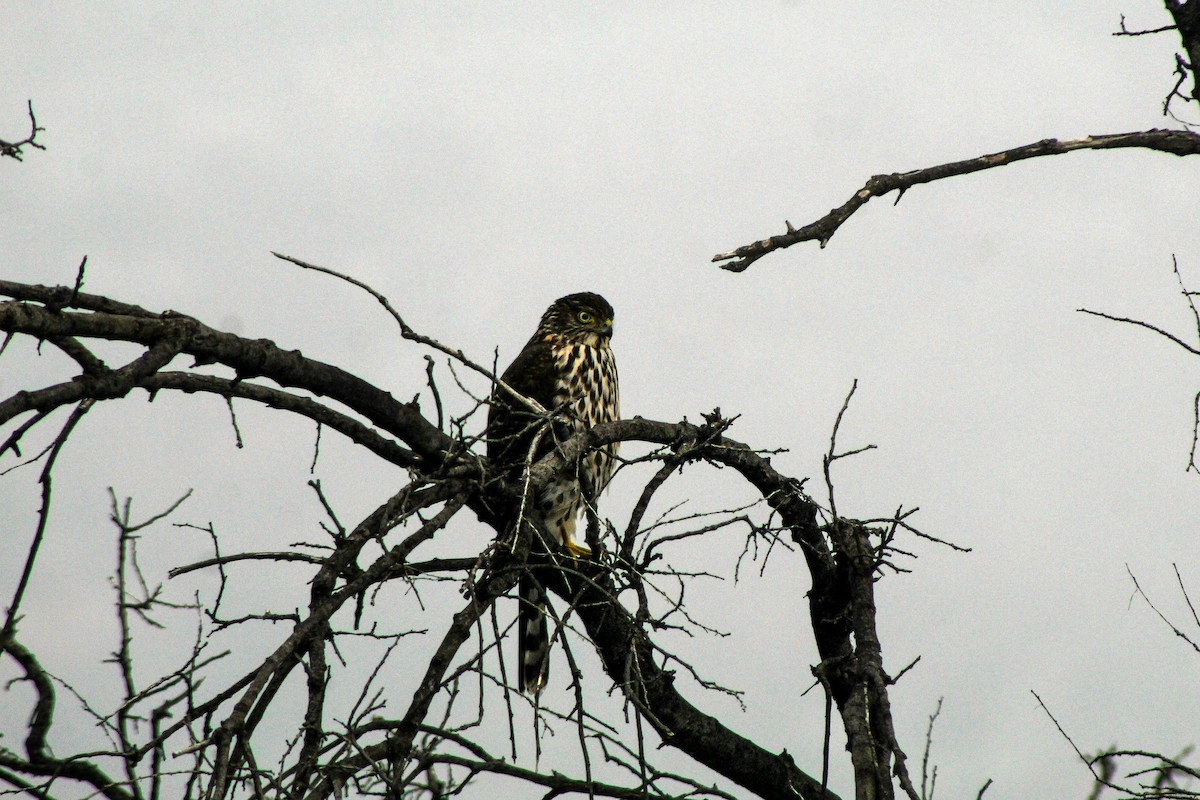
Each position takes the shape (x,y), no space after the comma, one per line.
(476,162)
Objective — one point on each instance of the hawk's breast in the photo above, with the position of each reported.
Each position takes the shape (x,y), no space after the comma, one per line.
(587,393)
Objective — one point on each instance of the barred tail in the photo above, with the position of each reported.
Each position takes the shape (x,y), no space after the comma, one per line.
(533,637)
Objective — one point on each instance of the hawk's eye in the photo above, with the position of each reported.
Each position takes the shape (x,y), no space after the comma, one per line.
(586,317)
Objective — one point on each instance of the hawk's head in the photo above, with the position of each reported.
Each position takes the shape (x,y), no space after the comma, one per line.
(584,317)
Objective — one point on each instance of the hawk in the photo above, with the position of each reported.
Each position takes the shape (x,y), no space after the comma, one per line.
(568,367)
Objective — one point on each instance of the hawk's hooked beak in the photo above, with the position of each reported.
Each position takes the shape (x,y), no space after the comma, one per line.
(607,329)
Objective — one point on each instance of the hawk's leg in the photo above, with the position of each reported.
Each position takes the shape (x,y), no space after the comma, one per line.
(574,548)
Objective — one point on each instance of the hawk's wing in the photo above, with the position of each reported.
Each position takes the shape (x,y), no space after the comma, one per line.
(511,425)
(511,428)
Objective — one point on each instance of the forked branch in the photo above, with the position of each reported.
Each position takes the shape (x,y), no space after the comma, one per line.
(15,149)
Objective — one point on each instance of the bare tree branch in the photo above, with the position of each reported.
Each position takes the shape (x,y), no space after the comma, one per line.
(46,480)
(1180,143)
(38,760)
(843,558)
(15,150)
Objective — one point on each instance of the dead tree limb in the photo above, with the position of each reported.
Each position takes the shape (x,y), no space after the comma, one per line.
(842,557)
(1179,143)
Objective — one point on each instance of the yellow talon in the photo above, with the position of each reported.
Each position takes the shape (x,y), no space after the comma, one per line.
(576,550)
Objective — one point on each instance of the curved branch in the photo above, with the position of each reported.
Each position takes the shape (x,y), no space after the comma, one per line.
(1141,324)
(620,639)
(1179,143)
(40,761)
(105,386)
(354,430)
(407,332)
(248,358)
